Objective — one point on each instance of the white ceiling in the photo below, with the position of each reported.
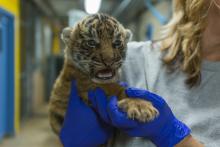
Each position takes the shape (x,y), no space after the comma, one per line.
(124,10)
(61,7)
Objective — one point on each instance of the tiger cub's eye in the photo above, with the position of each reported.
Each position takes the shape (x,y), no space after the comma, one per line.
(91,43)
(117,44)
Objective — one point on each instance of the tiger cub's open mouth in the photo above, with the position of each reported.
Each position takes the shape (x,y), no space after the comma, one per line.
(107,75)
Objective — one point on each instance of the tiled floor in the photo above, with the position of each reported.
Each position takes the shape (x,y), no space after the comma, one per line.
(34,133)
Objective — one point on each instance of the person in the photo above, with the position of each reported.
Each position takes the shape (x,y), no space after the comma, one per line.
(181,73)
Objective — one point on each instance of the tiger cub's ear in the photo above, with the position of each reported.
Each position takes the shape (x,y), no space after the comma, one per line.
(128,35)
(65,35)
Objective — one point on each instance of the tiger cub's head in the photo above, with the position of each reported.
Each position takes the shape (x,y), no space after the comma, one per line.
(97,47)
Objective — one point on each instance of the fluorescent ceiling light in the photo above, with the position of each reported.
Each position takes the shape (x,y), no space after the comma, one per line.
(92,6)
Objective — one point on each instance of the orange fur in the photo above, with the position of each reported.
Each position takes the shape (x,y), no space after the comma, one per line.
(136,108)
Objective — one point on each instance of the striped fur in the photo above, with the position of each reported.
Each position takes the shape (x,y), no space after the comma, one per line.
(95,43)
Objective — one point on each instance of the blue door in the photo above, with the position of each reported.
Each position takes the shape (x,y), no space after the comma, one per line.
(6,73)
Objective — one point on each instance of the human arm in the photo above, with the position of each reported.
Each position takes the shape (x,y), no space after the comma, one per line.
(165,130)
(189,141)
(82,127)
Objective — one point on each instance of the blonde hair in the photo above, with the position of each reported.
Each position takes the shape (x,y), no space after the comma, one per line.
(182,38)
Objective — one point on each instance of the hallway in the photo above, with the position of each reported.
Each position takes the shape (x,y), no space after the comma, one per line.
(35,132)
(32,56)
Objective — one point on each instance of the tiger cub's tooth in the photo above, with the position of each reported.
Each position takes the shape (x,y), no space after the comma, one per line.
(104,75)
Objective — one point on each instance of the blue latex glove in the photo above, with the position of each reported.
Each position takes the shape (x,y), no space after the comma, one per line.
(164,131)
(82,127)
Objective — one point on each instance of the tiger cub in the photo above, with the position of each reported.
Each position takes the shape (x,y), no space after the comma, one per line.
(95,49)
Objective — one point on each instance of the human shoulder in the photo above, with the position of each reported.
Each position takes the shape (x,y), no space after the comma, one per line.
(142,64)
(135,46)
(148,49)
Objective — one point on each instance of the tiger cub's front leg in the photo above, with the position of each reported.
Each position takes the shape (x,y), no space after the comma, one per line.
(56,115)
(138,109)
(58,103)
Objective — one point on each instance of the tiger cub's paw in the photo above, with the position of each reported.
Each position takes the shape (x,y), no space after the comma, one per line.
(139,109)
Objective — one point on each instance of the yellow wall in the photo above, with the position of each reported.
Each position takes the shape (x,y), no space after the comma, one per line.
(13,7)
(56,47)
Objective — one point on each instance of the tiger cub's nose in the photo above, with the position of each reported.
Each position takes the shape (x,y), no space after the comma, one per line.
(108,60)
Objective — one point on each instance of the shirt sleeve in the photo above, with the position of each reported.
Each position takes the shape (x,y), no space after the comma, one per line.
(134,70)
(139,70)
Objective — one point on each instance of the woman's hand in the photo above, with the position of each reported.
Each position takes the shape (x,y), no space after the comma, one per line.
(82,127)
(163,131)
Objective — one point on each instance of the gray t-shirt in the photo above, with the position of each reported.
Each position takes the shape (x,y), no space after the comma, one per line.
(198,107)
